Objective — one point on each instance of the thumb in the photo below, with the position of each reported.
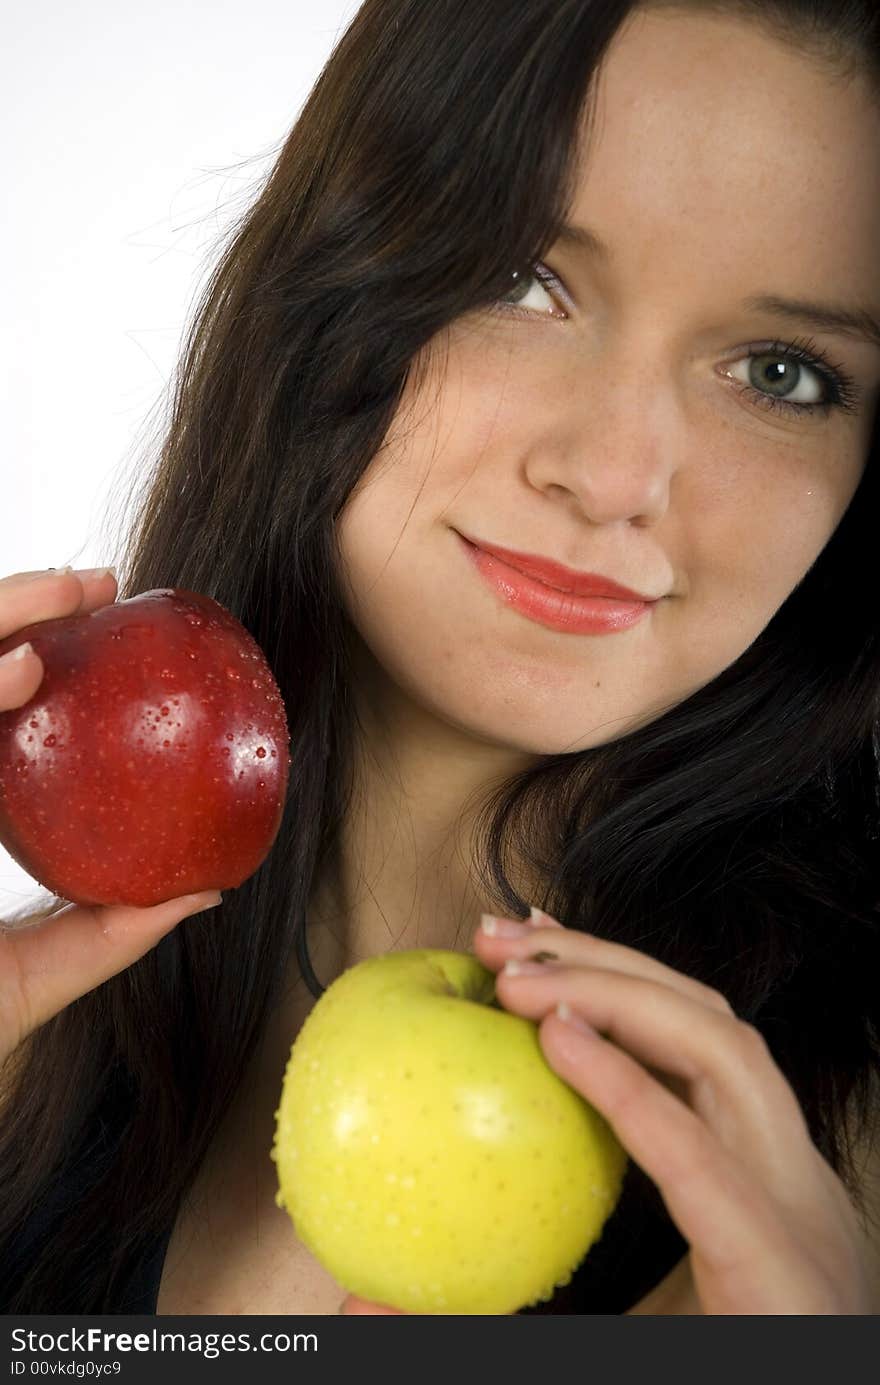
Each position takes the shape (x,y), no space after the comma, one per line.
(352,1307)
(47,965)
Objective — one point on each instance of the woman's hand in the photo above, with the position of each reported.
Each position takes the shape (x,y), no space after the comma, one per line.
(695,1097)
(46,965)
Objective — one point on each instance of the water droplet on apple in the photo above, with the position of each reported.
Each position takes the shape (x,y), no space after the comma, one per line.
(233,674)
(33,723)
(192,619)
(229,736)
(50,740)
(167,743)
(260,752)
(225,750)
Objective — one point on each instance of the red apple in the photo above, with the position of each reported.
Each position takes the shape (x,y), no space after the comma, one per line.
(153,759)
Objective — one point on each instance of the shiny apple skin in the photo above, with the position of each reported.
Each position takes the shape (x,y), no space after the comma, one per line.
(428,1156)
(153,759)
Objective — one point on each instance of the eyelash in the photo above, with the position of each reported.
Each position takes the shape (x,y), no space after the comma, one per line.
(843,392)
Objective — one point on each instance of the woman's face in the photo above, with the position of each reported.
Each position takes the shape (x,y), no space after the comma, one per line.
(621,423)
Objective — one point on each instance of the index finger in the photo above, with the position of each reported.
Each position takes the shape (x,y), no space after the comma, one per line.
(28,597)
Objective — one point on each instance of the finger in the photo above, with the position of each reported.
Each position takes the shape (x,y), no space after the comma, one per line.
(29,597)
(733,1083)
(730,1219)
(46,966)
(571,947)
(25,600)
(21,673)
(352,1307)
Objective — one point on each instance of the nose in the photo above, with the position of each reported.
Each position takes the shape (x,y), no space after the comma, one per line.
(612,450)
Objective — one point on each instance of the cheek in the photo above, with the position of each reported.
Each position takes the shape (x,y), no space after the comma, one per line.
(745,549)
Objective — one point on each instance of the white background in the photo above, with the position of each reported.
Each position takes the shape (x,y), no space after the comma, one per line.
(133,136)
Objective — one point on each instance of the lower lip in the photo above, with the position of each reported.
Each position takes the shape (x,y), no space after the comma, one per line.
(574,615)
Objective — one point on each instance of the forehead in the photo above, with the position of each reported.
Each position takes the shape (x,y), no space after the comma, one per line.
(704,123)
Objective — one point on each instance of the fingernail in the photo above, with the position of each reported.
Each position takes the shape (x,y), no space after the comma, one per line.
(575,1021)
(205,900)
(20,652)
(44,572)
(542,920)
(94,573)
(503,928)
(514,967)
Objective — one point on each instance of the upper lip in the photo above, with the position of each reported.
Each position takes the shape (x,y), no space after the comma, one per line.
(564,579)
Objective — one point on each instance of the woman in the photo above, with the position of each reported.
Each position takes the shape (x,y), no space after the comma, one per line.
(403,356)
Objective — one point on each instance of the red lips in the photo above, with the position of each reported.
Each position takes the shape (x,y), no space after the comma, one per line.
(562,578)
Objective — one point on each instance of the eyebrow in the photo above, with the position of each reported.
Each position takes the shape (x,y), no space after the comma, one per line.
(584,239)
(822,317)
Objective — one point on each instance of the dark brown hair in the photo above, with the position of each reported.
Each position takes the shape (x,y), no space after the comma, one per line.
(735,837)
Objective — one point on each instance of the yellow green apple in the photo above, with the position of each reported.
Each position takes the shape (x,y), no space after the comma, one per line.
(427,1154)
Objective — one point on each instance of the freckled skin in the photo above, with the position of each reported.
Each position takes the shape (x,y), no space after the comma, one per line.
(610,441)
